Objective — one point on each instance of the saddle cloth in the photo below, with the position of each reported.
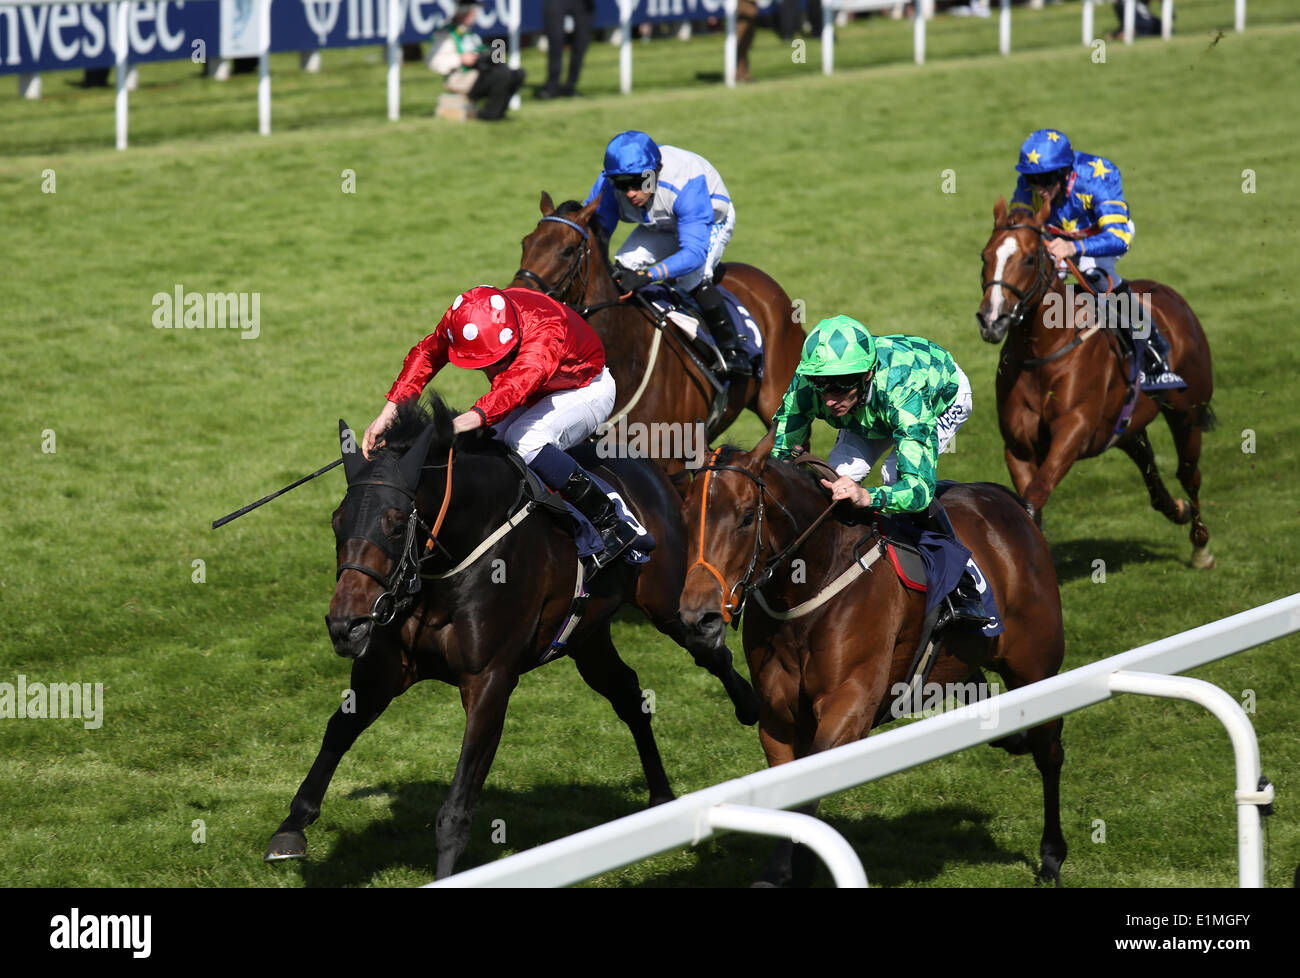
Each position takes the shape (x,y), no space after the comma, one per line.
(929,562)
(682,311)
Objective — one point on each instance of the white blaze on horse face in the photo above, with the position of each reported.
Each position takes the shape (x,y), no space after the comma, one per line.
(1004,252)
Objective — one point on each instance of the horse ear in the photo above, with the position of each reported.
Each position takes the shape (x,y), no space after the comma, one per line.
(548,206)
(763,450)
(1044,213)
(353,460)
(587,212)
(413,461)
(1000,210)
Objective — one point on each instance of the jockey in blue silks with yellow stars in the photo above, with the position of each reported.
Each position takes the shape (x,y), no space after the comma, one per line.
(1089,217)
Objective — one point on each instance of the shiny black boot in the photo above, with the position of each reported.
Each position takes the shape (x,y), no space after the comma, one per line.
(586,497)
(721,329)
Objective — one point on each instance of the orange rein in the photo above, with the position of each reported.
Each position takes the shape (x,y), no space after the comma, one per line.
(446,501)
(700,561)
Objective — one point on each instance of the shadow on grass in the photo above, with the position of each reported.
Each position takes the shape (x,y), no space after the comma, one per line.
(1074,558)
(911,849)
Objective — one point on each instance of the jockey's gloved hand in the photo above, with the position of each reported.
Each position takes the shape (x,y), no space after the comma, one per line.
(628,280)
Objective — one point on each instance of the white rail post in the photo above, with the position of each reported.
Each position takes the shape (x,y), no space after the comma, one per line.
(833,848)
(309,61)
(729,45)
(1130,13)
(1004,28)
(1240,20)
(263,12)
(1245,749)
(1087,23)
(29,85)
(394,16)
(625,46)
(1166,19)
(918,37)
(120,12)
(828,38)
(512,35)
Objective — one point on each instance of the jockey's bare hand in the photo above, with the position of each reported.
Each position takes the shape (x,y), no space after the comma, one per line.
(846,488)
(377,428)
(1062,248)
(467,421)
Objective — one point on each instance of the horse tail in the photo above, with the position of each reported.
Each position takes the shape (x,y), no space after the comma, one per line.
(1206,419)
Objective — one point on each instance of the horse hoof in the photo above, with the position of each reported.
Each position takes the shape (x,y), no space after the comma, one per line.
(286,845)
(1202,559)
(747,708)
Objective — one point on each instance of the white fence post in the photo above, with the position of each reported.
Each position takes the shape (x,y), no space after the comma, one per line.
(263,12)
(1240,19)
(625,46)
(1130,13)
(1166,19)
(918,38)
(729,45)
(828,38)
(513,40)
(393,18)
(1087,23)
(1004,28)
(119,13)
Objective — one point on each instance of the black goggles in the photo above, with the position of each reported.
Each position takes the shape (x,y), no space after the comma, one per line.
(1044,179)
(837,386)
(627,182)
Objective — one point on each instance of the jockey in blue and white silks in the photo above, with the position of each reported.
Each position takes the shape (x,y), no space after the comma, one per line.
(684,218)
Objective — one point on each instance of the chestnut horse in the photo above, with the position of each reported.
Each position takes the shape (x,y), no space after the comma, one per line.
(827,650)
(1061,397)
(419,598)
(565,257)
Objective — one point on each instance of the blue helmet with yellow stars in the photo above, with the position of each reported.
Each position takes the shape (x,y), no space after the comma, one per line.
(1045,151)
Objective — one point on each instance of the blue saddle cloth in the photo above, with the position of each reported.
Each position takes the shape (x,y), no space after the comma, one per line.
(945,559)
(751,340)
(588,540)
(1167,381)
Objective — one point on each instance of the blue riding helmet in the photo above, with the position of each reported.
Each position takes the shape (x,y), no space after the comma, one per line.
(1044,151)
(631,153)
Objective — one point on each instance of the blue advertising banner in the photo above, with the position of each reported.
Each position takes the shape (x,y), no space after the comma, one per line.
(61,36)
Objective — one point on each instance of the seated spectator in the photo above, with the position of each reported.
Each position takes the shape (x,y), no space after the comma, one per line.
(461,57)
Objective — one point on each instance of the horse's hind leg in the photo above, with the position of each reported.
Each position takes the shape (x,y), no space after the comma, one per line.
(485,697)
(601,668)
(1186,429)
(1044,741)
(1138,448)
(375,681)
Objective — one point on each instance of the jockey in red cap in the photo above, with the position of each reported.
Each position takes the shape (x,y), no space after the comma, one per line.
(550,389)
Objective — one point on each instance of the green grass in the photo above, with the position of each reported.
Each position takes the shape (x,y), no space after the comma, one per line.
(216,693)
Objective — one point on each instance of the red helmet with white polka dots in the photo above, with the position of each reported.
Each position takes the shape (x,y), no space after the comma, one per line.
(484,327)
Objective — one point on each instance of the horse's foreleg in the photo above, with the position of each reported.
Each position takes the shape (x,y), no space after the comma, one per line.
(485,697)
(367,701)
(1022,472)
(1187,442)
(601,668)
(1069,435)
(1138,448)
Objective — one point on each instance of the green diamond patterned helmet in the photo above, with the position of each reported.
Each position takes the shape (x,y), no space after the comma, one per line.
(840,345)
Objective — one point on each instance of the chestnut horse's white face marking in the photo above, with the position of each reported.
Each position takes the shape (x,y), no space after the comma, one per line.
(1004,252)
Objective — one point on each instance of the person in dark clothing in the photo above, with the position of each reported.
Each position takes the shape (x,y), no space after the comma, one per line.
(582,12)
(472,69)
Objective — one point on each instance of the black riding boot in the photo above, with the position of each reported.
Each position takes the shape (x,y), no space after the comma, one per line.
(615,535)
(720,328)
(964,604)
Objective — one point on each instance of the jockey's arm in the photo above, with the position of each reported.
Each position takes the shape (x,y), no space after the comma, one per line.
(422,363)
(693,210)
(916,444)
(607,211)
(793,420)
(1115,230)
(535,362)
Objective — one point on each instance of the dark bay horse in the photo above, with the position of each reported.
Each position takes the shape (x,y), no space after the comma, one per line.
(827,673)
(495,588)
(1061,392)
(565,257)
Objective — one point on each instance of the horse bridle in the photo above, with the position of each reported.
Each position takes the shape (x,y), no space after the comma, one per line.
(1042,281)
(562,288)
(406,572)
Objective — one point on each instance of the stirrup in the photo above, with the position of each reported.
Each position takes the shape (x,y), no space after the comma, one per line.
(614,541)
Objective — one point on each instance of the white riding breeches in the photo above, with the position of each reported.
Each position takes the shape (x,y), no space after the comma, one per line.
(563,418)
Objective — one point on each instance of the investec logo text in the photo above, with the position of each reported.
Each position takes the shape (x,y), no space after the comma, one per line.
(81,30)
(179,309)
(369,18)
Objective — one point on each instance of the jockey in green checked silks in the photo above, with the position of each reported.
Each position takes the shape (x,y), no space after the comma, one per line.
(903,397)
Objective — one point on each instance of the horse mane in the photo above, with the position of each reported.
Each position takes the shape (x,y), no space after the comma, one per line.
(413,417)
